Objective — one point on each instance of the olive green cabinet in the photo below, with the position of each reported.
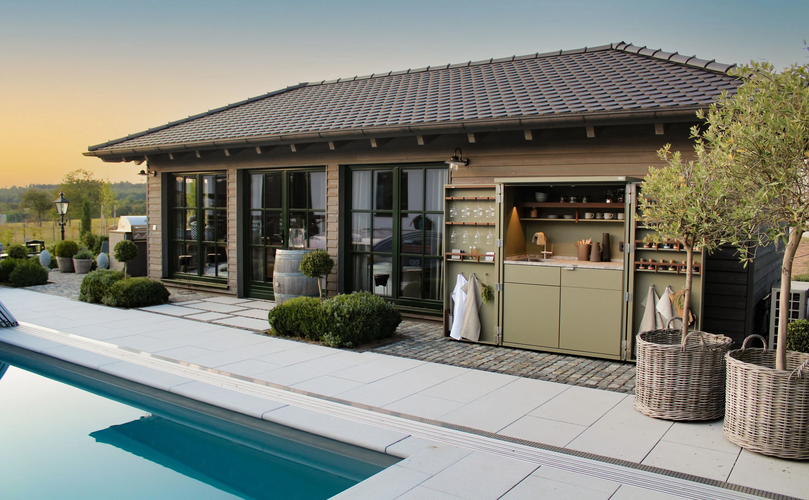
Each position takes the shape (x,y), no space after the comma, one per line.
(531,313)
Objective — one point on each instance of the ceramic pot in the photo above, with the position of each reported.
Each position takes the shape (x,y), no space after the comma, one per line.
(82,266)
(595,252)
(605,247)
(583,250)
(65,264)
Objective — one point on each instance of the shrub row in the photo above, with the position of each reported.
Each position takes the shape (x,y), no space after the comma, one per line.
(23,272)
(110,288)
(343,321)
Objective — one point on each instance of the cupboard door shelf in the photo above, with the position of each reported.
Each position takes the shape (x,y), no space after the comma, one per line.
(470,198)
(459,223)
(570,220)
(663,267)
(469,257)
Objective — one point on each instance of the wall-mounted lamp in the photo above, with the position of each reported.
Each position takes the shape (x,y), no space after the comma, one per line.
(457,160)
(148,172)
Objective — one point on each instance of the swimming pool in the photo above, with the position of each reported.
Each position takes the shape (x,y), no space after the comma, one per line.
(66,436)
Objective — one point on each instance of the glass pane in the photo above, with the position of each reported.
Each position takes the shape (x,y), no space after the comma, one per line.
(211,258)
(256,229)
(256,264)
(297,190)
(411,238)
(179,193)
(270,253)
(383,189)
(317,190)
(383,281)
(208,191)
(297,230)
(383,234)
(434,281)
(190,258)
(433,234)
(179,225)
(410,281)
(435,189)
(361,267)
(221,261)
(317,230)
(256,191)
(361,190)
(275,235)
(221,191)
(412,190)
(361,232)
(191,225)
(221,225)
(180,260)
(210,228)
(191,192)
(272,190)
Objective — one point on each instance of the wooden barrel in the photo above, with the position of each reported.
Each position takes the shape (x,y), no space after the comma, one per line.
(288,282)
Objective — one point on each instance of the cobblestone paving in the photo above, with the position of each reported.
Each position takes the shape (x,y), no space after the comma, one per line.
(425,341)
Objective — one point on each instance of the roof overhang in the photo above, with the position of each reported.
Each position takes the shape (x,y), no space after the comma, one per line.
(685,114)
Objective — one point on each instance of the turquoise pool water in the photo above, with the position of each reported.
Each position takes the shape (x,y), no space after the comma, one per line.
(60,441)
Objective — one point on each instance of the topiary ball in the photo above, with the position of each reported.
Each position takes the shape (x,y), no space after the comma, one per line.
(103,261)
(45,258)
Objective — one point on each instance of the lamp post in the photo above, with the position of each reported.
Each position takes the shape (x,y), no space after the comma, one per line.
(61,208)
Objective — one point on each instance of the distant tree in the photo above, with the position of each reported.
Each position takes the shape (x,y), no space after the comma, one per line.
(86,219)
(37,200)
(79,185)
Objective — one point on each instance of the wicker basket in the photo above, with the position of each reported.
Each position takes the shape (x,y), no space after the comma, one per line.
(681,379)
(767,409)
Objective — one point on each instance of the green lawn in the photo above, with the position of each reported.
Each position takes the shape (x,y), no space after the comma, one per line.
(50,231)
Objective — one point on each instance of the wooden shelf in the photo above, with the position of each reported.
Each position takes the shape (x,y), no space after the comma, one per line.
(469,257)
(618,207)
(470,198)
(663,268)
(453,223)
(561,219)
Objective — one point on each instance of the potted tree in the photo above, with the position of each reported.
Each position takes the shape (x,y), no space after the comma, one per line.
(317,264)
(65,250)
(681,375)
(761,135)
(125,251)
(83,261)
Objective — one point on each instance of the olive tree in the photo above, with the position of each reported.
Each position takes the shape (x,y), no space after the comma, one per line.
(688,202)
(760,138)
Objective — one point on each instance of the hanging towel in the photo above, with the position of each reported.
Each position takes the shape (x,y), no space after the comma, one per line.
(651,318)
(459,298)
(666,310)
(470,326)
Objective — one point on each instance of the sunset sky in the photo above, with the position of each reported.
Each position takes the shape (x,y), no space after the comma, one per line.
(78,73)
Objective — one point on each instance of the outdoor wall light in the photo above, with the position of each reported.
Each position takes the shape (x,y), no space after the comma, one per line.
(457,160)
(61,208)
(148,172)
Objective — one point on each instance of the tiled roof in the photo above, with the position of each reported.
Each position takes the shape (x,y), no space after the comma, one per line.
(611,78)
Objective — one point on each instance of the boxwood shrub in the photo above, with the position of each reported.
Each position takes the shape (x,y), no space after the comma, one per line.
(342,321)
(798,336)
(136,292)
(298,317)
(96,284)
(66,249)
(29,272)
(17,251)
(7,265)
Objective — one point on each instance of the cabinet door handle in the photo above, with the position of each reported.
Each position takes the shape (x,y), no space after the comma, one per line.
(569,268)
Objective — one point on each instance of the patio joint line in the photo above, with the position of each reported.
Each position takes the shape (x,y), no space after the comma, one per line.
(612,469)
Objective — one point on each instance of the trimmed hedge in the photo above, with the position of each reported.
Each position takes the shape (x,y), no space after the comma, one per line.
(343,321)
(801,277)
(798,336)
(136,292)
(96,284)
(29,272)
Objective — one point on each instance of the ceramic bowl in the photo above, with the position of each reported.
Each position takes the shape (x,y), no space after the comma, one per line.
(541,197)
(567,216)
(553,216)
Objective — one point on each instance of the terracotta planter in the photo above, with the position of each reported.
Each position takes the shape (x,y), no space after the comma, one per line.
(65,264)
(82,266)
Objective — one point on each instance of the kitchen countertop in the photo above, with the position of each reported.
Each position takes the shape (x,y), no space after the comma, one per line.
(536,260)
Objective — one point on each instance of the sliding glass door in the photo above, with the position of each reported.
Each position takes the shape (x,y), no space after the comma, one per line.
(396,233)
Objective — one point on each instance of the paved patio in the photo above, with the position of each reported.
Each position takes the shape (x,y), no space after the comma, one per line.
(420,340)
(462,433)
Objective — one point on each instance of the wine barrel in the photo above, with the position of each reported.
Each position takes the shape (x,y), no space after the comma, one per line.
(287,280)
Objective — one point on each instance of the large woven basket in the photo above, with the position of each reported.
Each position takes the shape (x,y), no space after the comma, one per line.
(681,379)
(768,409)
